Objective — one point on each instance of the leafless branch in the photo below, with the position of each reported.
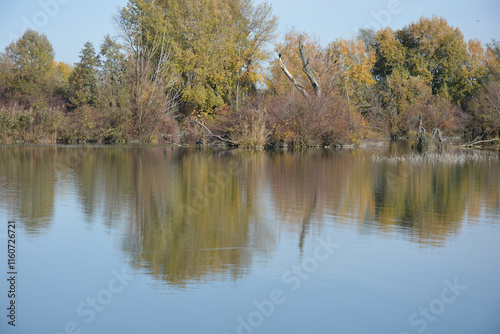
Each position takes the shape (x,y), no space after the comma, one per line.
(474,143)
(297,85)
(307,68)
(215,136)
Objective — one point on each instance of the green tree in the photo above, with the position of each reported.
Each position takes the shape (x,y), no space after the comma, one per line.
(27,64)
(114,91)
(390,55)
(436,50)
(83,78)
(6,76)
(427,56)
(430,49)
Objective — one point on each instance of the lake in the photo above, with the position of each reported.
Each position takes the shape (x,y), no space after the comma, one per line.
(157,239)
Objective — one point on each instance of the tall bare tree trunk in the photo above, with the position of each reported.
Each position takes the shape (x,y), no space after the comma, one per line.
(297,85)
(307,68)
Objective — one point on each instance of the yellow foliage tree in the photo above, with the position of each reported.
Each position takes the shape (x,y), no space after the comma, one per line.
(276,81)
(354,63)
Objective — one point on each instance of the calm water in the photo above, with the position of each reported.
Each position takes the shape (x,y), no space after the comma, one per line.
(131,239)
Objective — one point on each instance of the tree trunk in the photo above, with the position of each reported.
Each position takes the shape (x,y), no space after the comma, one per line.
(437,132)
(297,85)
(307,68)
(420,127)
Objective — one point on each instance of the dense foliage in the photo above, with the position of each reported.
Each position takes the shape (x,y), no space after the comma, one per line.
(178,63)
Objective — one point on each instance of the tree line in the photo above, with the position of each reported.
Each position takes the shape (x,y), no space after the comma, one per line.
(204,66)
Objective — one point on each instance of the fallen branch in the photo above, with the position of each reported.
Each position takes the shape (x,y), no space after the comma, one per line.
(474,143)
(215,136)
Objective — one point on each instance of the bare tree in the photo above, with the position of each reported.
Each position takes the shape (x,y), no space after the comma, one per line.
(306,67)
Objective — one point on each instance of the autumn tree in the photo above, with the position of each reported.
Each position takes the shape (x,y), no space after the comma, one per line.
(288,52)
(151,75)
(253,26)
(482,76)
(59,78)
(474,70)
(484,111)
(354,62)
(493,59)
(321,114)
(216,47)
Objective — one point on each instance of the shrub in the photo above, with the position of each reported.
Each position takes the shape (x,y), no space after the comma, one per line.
(30,124)
(484,110)
(247,126)
(440,113)
(323,120)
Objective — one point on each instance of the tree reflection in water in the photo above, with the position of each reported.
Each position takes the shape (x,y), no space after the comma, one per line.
(197,215)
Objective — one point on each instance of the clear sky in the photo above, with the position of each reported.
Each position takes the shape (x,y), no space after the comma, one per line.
(70,23)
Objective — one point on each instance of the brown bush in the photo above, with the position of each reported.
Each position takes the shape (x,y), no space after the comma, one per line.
(249,127)
(323,120)
(484,110)
(440,113)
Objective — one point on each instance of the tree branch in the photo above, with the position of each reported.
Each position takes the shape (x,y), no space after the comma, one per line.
(307,68)
(297,85)
(437,132)
(473,143)
(215,136)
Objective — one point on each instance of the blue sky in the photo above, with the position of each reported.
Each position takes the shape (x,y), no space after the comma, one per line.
(70,23)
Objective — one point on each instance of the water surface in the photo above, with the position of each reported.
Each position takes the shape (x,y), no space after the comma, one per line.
(152,239)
